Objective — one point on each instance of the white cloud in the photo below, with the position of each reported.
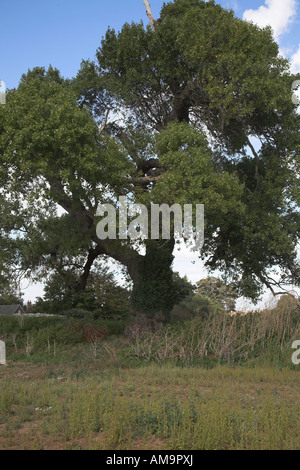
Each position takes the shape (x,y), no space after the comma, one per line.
(278,14)
(295,61)
(187,263)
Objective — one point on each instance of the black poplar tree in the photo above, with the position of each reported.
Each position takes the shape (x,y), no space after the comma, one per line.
(194,108)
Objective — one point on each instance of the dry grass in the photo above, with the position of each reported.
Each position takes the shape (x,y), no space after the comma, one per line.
(225,337)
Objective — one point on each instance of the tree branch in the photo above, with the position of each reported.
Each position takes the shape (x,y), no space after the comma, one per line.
(145,179)
(93,254)
(256,160)
(269,282)
(146,165)
(149,14)
(113,248)
(74,208)
(103,126)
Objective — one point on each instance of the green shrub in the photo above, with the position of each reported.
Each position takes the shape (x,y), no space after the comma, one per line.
(195,305)
(79,313)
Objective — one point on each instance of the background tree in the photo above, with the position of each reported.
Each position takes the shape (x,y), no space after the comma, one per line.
(9,295)
(218,291)
(287,303)
(103,295)
(195,305)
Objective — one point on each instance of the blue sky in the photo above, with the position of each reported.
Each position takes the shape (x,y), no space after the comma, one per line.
(63,32)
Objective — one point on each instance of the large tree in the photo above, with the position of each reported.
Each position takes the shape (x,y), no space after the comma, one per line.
(194,108)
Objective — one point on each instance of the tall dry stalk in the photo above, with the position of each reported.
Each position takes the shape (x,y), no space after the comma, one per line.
(226,337)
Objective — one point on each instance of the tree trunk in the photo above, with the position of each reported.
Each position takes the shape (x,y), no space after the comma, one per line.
(153,289)
(149,14)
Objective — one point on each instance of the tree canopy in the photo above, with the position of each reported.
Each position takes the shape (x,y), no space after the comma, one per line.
(196,108)
(217,291)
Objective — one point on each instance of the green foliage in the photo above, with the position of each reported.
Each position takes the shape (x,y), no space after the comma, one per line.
(183,287)
(195,306)
(44,334)
(193,94)
(200,334)
(182,409)
(155,291)
(9,251)
(194,175)
(78,313)
(102,295)
(287,303)
(9,297)
(218,291)
(40,332)
(202,64)
(226,68)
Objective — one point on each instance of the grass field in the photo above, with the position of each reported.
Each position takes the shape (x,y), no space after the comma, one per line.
(70,399)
